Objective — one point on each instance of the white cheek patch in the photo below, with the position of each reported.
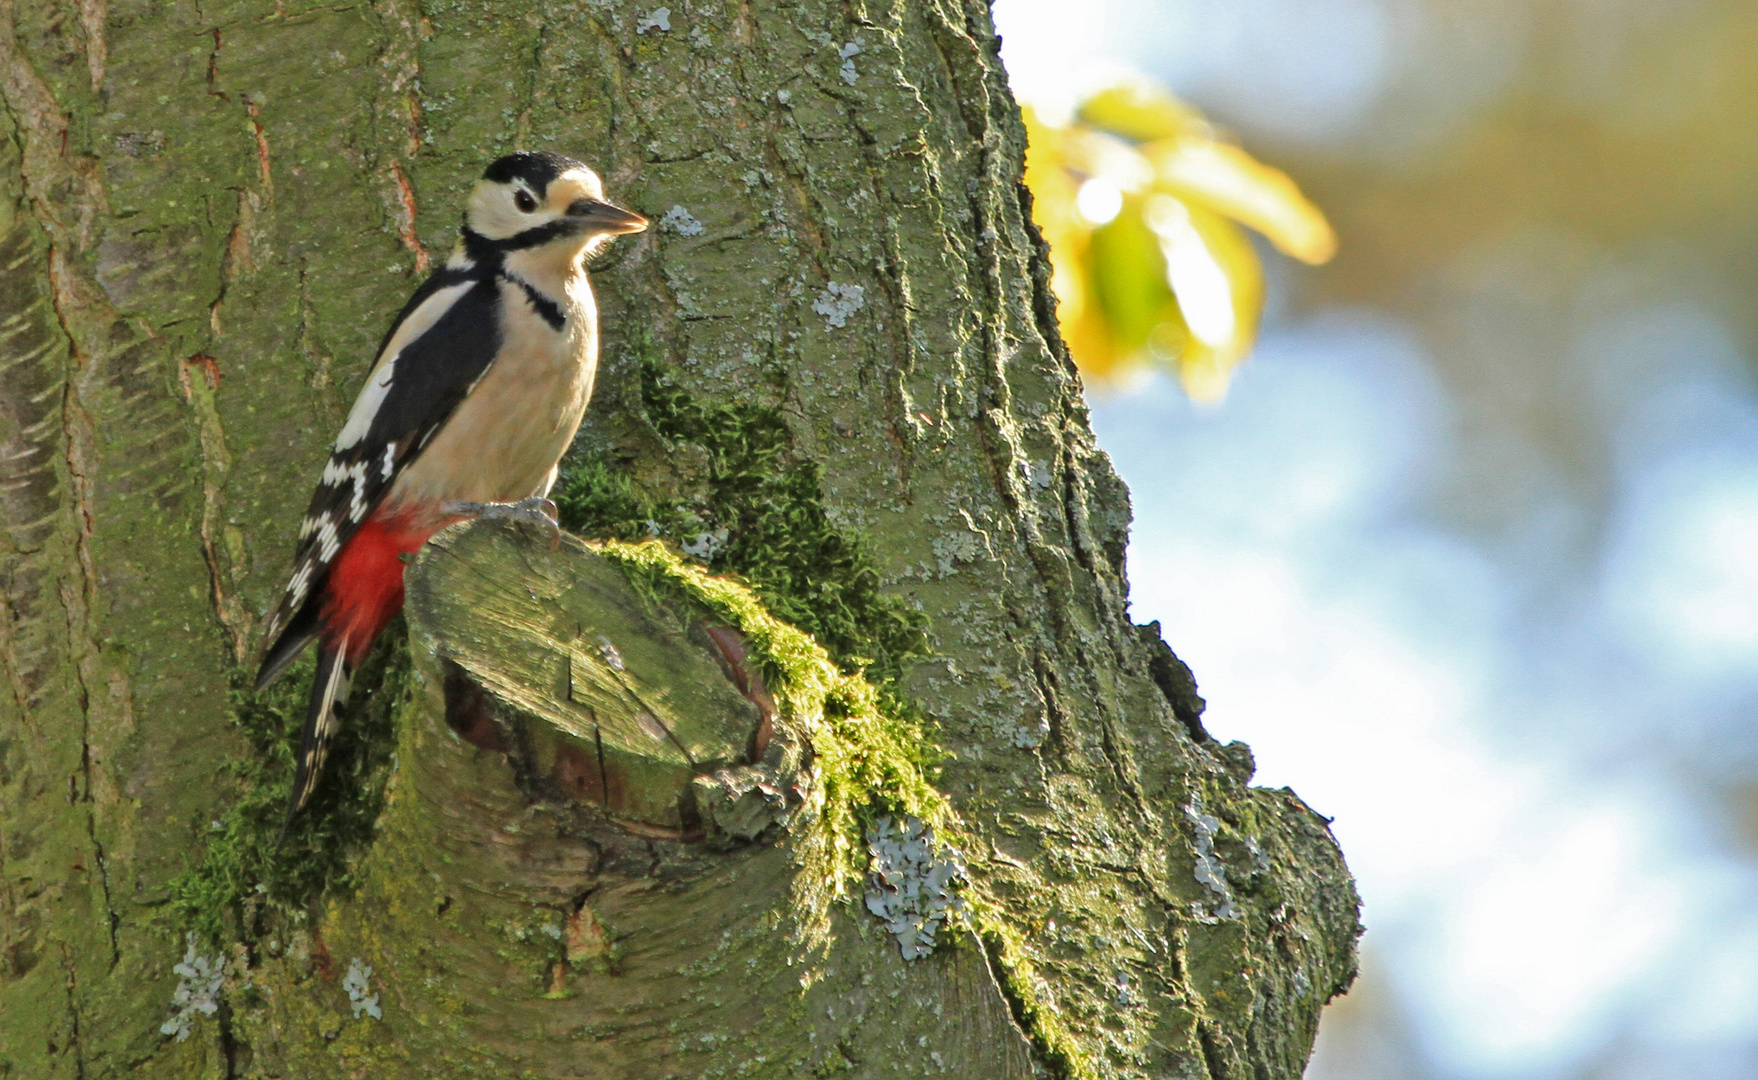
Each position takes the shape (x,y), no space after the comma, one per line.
(493,214)
(366,406)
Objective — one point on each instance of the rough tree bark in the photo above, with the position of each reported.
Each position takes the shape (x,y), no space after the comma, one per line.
(207,213)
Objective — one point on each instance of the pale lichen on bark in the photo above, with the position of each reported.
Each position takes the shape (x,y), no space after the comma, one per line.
(211,211)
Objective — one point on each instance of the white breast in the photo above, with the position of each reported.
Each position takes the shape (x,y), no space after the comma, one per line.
(503,442)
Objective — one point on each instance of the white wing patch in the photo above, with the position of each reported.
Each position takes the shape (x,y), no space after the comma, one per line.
(344,497)
(339,473)
(366,406)
(372,395)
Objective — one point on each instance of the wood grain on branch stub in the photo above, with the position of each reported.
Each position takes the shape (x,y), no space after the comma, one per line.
(598,694)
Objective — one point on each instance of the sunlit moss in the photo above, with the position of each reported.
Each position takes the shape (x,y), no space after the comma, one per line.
(866,757)
(1019,982)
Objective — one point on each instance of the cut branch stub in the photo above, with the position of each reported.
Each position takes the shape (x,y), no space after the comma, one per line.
(598,693)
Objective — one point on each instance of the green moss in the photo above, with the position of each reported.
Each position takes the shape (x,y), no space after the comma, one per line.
(1019,983)
(257,867)
(763,511)
(777,537)
(868,757)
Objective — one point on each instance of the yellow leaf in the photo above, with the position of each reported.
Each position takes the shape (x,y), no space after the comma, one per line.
(1138,200)
(1045,172)
(1205,376)
(1140,111)
(1126,269)
(1230,181)
(1216,277)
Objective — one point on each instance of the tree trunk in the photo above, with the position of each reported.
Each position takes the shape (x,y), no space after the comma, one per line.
(833,368)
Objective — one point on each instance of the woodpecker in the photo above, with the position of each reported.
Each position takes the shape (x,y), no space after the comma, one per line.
(476,392)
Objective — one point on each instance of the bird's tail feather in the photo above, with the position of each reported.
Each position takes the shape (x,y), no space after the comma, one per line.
(299,632)
(329,693)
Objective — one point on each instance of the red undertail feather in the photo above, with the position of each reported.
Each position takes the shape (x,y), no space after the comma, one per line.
(365,588)
(363,592)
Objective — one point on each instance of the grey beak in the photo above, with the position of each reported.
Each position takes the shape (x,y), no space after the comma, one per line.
(606,218)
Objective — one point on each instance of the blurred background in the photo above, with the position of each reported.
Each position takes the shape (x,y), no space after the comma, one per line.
(1468,552)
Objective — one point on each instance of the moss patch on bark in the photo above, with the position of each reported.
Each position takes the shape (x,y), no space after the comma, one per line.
(259,869)
(867,757)
(757,513)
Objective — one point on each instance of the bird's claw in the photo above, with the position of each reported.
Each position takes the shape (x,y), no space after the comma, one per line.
(537,504)
(536,510)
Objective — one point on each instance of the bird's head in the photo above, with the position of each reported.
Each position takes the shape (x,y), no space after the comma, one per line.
(534,199)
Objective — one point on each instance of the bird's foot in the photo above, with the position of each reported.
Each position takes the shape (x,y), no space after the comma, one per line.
(536,510)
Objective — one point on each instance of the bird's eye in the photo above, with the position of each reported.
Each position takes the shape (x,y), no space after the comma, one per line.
(523,200)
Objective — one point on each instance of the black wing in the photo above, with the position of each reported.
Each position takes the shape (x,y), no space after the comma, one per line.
(406,399)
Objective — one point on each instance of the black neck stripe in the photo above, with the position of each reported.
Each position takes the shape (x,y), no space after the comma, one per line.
(483,249)
(547,308)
